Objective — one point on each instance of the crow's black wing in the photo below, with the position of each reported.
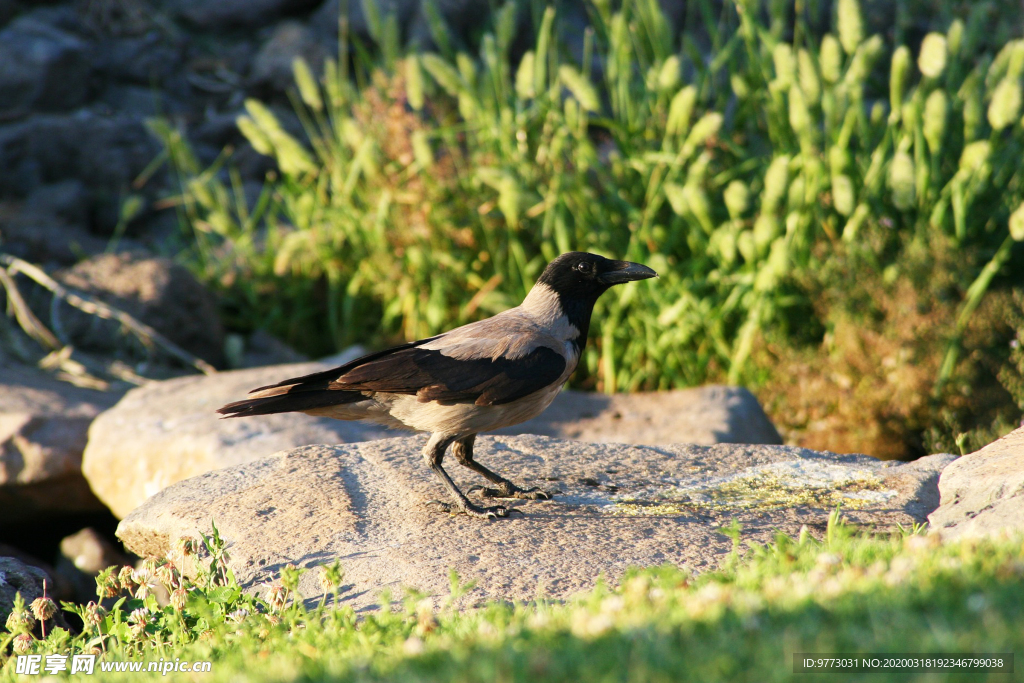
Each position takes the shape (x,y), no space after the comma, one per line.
(322,380)
(433,376)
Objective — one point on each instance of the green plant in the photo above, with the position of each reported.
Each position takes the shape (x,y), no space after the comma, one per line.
(435,193)
(429,189)
(851,592)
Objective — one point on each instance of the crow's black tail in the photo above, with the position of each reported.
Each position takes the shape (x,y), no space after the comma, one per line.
(291,402)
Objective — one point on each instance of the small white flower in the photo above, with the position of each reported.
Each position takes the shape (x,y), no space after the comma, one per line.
(146,580)
(238,615)
(414,646)
(139,616)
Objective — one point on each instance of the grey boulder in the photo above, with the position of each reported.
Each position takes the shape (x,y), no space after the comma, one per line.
(105,152)
(235,13)
(83,555)
(154,290)
(616,506)
(167,431)
(44,423)
(702,415)
(983,492)
(41,67)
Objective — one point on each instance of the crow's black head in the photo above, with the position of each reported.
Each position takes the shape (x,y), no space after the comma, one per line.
(578,279)
(583,276)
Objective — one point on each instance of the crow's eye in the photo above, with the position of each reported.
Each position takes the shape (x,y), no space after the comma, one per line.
(583,267)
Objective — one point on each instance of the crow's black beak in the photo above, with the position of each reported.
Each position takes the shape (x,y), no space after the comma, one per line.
(624,271)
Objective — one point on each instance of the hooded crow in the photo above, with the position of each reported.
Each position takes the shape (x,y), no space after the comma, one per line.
(489,374)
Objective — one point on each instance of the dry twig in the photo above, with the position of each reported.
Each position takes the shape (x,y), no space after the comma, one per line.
(146,334)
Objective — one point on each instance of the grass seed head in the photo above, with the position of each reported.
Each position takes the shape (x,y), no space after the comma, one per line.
(785,69)
(1017,224)
(737,199)
(1004,108)
(901,181)
(669,74)
(850,24)
(844,198)
(810,84)
(974,156)
(955,36)
(899,72)
(680,111)
(799,116)
(932,58)
(309,91)
(776,182)
(936,112)
(831,59)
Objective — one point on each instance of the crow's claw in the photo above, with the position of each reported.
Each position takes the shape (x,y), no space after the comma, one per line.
(471,510)
(511,491)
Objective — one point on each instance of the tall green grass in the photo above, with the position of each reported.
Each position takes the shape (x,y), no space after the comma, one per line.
(429,189)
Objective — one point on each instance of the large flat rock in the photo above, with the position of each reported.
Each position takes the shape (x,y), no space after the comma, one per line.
(168,431)
(43,426)
(617,506)
(983,493)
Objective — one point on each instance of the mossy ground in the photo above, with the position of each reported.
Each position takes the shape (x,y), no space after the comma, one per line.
(765,489)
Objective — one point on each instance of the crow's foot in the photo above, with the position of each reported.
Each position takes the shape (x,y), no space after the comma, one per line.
(510,490)
(471,510)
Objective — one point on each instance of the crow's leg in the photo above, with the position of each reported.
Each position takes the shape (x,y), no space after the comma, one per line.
(463,452)
(433,452)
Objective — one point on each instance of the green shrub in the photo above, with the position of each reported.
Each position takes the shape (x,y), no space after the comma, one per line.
(434,192)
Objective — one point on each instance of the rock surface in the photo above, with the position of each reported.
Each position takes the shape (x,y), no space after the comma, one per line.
(18,577)
(83,555)
(168,431)
(41,67)
(156,291)
(272,66)
(43,427)
(236,13)
(617,506)
(703,415)
(983,492)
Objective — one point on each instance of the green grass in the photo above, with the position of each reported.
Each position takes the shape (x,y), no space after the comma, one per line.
(429,190)
(851,592)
